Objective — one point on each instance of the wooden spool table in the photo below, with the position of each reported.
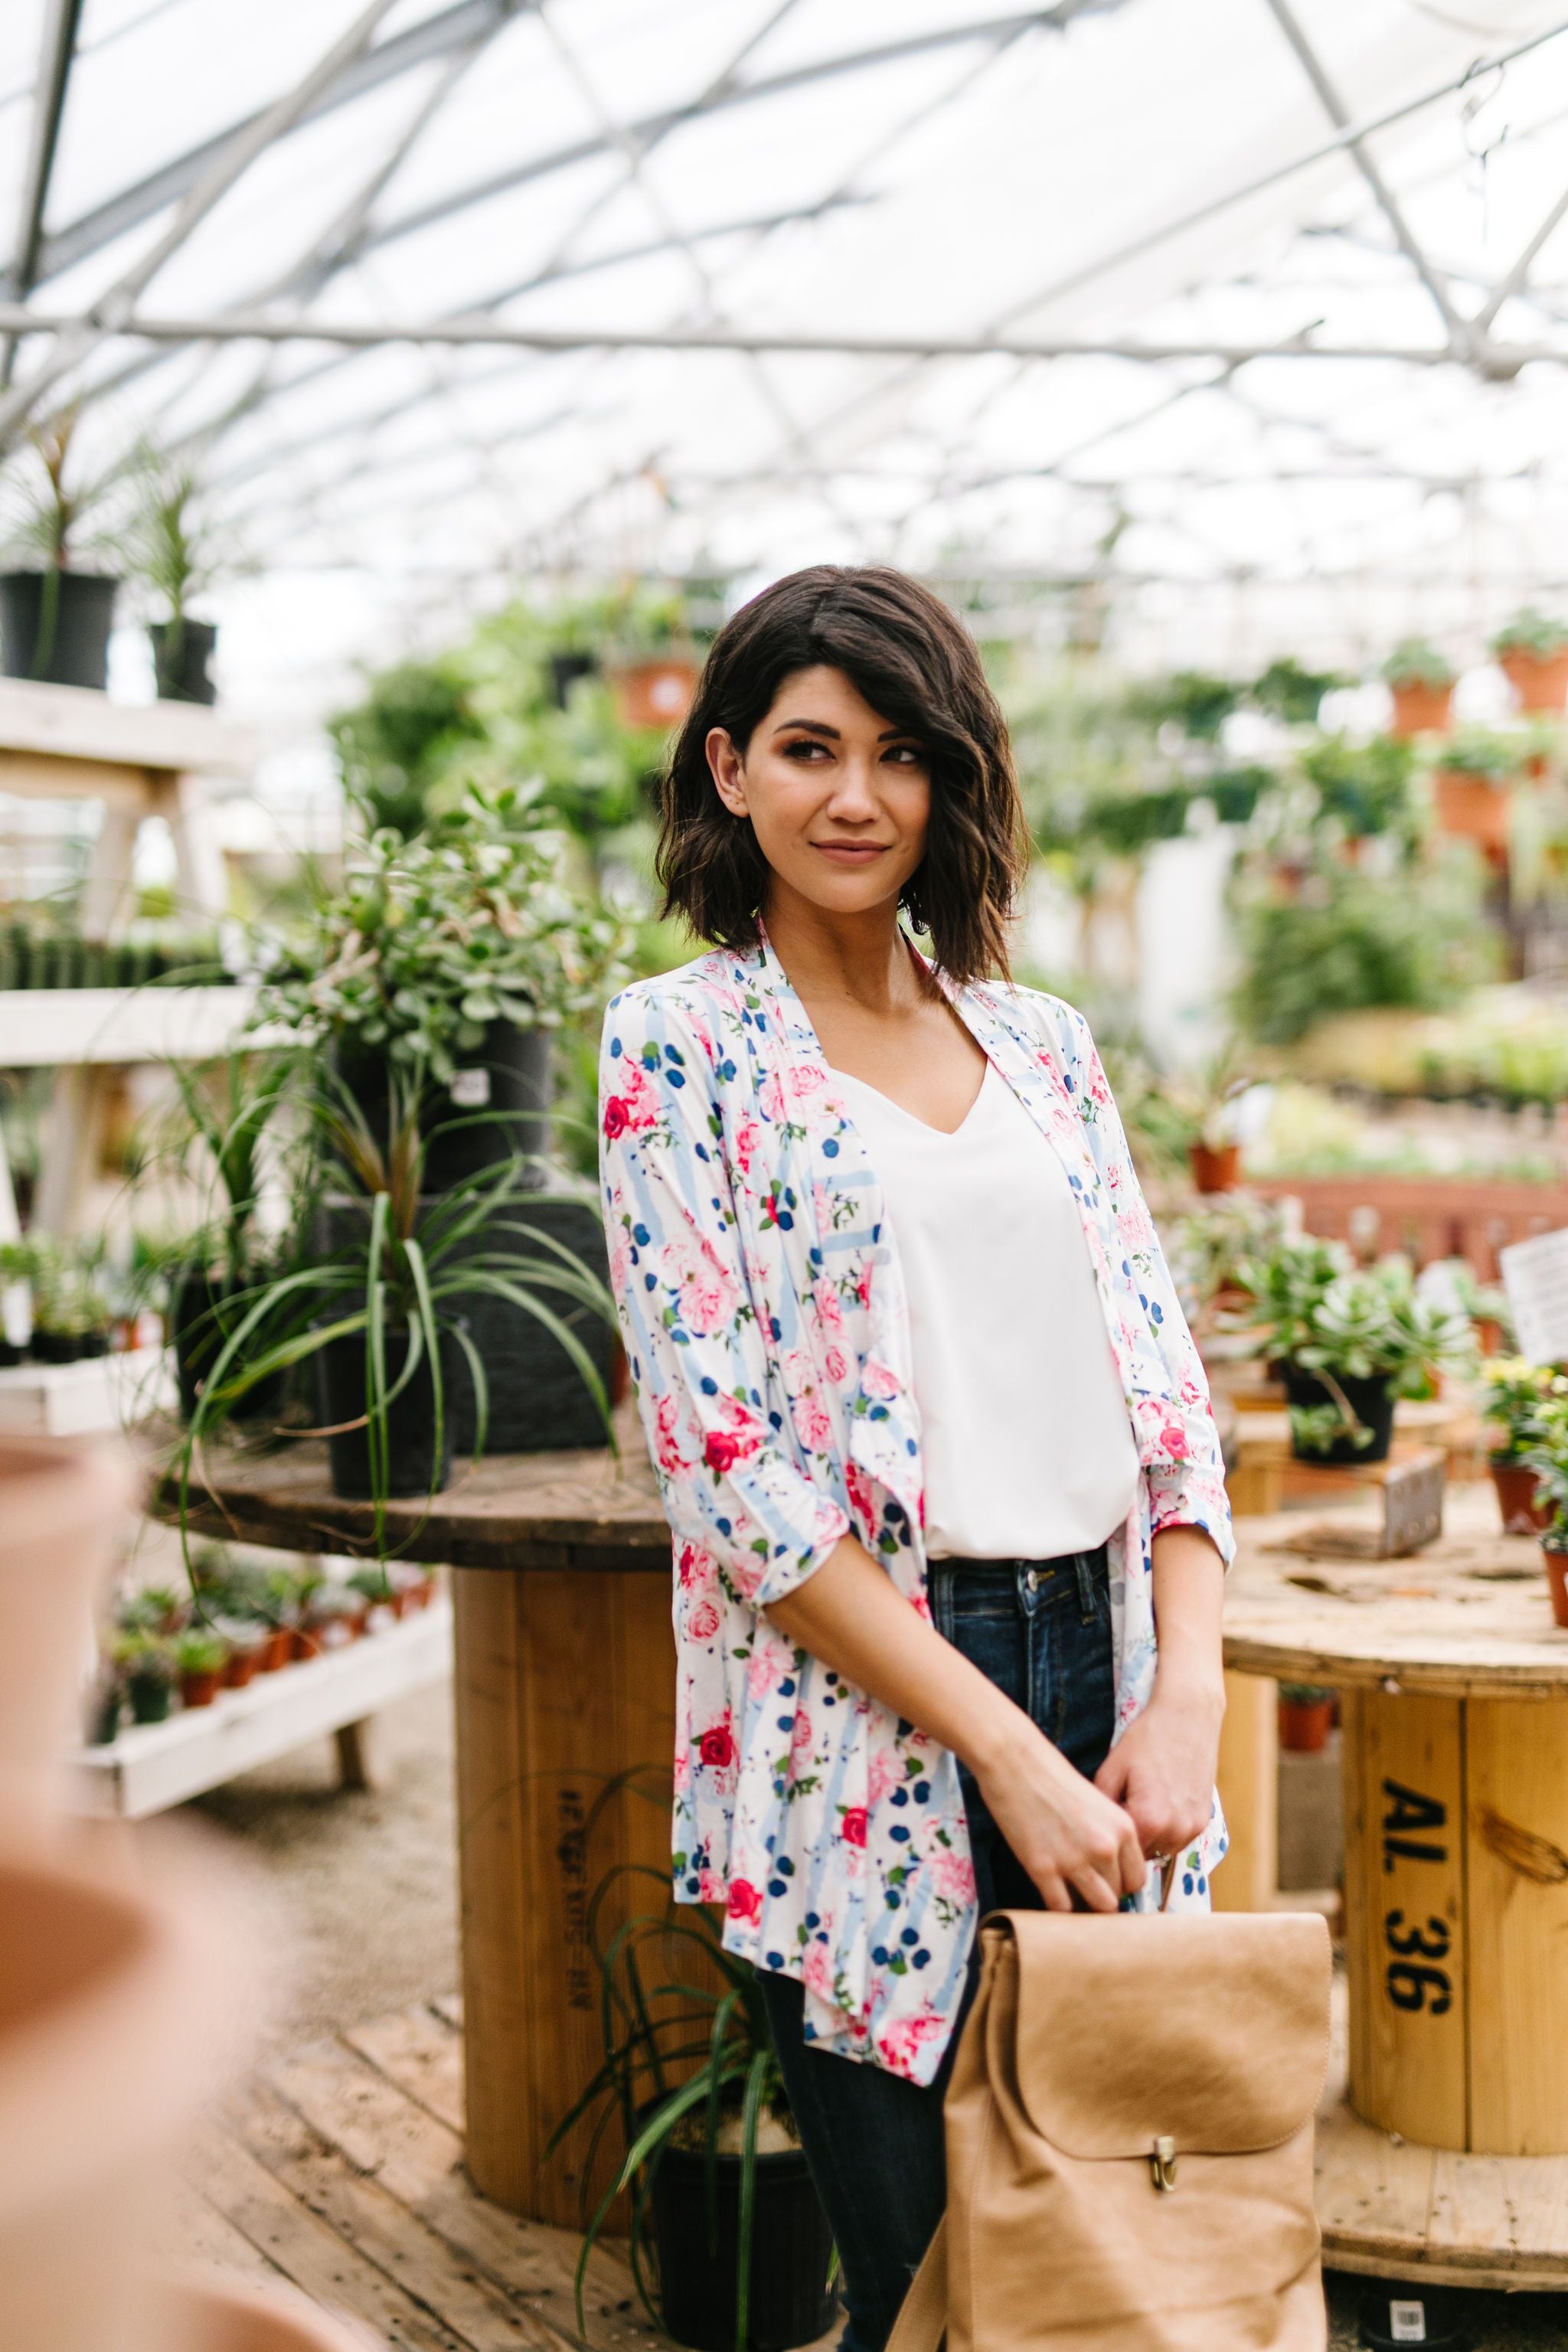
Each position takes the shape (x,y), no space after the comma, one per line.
(1449,2157)
(564,1683)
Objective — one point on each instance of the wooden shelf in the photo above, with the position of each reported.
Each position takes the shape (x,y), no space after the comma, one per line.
(51,1028)
(152,1766)
(71,740)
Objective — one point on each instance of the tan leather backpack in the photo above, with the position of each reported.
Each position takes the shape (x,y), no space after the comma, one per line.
(1130,2140)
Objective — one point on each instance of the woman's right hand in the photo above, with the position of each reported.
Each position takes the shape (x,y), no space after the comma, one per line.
(1065,1832)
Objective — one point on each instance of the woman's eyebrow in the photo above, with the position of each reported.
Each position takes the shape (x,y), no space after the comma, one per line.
(812,726)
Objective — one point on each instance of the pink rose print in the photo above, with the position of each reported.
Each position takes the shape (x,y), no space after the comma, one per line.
(665,1417)
(900,2041)
(745,1901)
(863,1286)
(770,1099)
(770,1661)
(703,1622)
(706,1289)
(616,1117)
(812,1424)
(854,1824)
(953,1874)
(806,1078)
(717,1746)
(825,1298)
(698,1569)
(817,1969)
(835,1364)
(863,1502)
(634,1107)
(722,1448)
(743,1144)
(878,1380)
(710,1886)
(800,1738)
(885,1774)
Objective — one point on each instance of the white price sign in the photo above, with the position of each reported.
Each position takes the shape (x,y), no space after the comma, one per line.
(1535,1275)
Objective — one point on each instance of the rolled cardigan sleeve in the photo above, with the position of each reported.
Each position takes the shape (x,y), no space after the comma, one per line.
(699,1359)
(1186,1486)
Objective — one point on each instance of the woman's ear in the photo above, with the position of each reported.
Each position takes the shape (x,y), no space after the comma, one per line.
(729,774)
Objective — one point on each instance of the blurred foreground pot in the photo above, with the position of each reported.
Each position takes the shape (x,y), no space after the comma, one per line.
(112,2017)
(62,1507)
(206,2316)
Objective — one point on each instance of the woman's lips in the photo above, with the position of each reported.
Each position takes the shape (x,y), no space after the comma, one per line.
(851,853)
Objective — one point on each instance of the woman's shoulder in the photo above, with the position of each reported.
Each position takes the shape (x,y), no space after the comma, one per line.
(695,996)
(1045,1019)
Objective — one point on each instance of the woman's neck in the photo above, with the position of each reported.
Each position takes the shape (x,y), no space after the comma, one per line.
(863,959)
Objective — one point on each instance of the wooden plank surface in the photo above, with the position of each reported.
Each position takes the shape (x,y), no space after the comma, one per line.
(1517,1785)
(587,1509)
(1470,1614)
(73,724)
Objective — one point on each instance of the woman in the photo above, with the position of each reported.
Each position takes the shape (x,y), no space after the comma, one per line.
(933,1437)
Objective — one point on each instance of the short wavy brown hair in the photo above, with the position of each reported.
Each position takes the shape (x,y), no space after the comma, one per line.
(918,667)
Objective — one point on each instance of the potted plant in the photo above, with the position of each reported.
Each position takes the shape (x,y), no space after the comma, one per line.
(1516,1396)
(71,1315)
(1363,788)
(172,549)
(441,968)
(1422,682)
(55,615)
(1306,1717)
(1473,789)
(1205,1100)
(741,2247)
(372,1585)
(1348,1342)
(653,667)
(147,1670)
(1549,1459)
(281,1602)
(378,1309)
(199,1657)
(1531,651)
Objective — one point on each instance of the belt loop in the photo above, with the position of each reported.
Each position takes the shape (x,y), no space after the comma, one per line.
(1027,1583)
(1081,1561)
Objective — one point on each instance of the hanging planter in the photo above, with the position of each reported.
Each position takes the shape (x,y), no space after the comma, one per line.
(1532,654)
(657,692)
(1421,681)
(1473,808)
(55,626)
(1214,1168)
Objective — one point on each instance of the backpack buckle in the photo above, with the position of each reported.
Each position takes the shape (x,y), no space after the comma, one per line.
(1162,2162)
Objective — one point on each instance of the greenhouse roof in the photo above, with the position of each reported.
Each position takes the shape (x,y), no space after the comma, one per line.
(1242,320)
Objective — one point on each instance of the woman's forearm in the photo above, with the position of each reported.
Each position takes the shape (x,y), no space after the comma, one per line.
(1189,1597)
(855,1620)
(1070,1836)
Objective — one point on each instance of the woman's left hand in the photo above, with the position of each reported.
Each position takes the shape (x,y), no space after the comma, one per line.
(1163,1769)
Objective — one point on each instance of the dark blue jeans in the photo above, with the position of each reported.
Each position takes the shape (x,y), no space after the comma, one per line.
(1041,1632)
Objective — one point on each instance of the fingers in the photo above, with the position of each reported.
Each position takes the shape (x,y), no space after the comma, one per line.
(1134,1870)
(1096,1891)
(1113,1775)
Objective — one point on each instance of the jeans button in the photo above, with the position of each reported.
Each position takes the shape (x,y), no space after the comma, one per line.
(1031,1579)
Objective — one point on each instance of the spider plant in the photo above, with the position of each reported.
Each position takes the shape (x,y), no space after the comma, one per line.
(408,1269)
(681,2059)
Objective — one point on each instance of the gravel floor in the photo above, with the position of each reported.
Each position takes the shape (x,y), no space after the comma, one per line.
(356,1896)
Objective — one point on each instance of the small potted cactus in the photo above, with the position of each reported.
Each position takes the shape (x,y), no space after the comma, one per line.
(200,1655)
(1421,680)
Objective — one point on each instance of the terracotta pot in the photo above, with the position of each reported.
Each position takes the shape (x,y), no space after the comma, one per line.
(279,1650)
(1215,1171)
(1421,710)
(654,693)
(200,1690)
(1515,1486)
(63,1502)
(244,1665)
(303,1644)
(1557,1581)
(1305,1724)
(1474,810)
(115,2009)
(1540,680)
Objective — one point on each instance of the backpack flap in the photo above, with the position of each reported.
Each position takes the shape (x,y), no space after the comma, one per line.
(1211,2032)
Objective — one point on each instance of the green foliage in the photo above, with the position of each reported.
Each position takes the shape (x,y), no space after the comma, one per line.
(1475,751)
(1364,786)
(655,2021)
(428,940)
(1305,1694)
(1547,1458)
(52,497)
(1206,1248)
(198,1652)
(172,542)
(1515,1398)
(1415,662)
(70,1297)
(1312,1306)
(1531,632)
(1198,703)
(1349,941)
(1293,693)
(394,746)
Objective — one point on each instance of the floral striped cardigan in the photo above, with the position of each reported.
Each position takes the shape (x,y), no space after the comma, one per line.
(763,1313)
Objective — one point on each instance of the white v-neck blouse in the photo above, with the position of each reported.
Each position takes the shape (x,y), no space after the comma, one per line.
(1024,1433)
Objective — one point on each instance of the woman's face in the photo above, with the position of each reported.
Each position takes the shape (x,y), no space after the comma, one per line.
(840,799)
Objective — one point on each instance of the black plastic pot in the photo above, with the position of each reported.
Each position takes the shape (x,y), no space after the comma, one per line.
(1371,1401)
(565,670)
(496,1107)
(198,1327)
(792,2251)
(181,652)
(537,1401)
(150,1696)
(414,1466)
(55,626)
(56,1347)
(1397,2312)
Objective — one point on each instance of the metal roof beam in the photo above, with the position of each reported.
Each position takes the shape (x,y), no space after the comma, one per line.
(1387,203)
(454,29)
(61,21)
(78,339)
(1500,362)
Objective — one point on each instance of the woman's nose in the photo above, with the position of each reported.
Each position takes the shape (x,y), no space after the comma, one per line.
(854,793)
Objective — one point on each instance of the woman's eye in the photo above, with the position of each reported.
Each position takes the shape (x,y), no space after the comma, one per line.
(803,748)
(908,755)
